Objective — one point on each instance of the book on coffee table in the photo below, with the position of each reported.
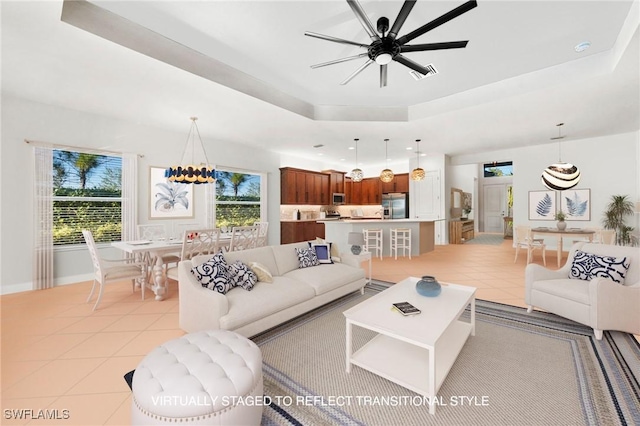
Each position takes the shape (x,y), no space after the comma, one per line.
(406,308)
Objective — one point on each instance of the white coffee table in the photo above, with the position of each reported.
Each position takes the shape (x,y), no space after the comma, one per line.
(416,351)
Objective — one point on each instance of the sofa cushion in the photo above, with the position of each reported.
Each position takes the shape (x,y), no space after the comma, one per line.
(241,276)
(324,278)
(335,252)
(214,274)
(286,257)
(575,290)
(306,257)
(586,266)
(263,255)
(265,299)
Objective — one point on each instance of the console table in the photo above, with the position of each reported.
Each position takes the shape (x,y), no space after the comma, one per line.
(460,231)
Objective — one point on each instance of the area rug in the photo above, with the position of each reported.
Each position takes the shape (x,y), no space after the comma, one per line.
(487,239)
(519,369)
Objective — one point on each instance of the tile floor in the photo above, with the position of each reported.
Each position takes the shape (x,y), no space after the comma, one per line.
(58,354)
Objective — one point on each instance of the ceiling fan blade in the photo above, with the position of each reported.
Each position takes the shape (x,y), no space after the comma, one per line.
(402,16)
(383,75)
(358,71)
(433,46)
(334,39)
(337,61)
(438,21)
(364,20)
(411,64)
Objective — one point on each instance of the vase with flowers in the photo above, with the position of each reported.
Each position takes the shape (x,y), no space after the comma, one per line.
(560,217)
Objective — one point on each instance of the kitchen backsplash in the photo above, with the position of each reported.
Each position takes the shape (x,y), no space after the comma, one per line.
(307,212)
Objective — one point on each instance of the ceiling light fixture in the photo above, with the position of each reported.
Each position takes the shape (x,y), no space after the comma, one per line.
(386,175)
(581,47)
(417,174)
(356,174)
(188,172)
(560,176)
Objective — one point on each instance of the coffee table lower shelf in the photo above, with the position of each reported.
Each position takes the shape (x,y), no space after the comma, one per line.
(410,365)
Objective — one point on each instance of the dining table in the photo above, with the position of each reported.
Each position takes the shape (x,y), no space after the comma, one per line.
(152,252)
(560,234)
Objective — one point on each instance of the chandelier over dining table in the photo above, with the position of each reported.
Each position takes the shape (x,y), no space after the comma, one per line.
(188,172)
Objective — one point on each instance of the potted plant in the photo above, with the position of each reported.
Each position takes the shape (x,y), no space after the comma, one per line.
(560,217)
(614,217)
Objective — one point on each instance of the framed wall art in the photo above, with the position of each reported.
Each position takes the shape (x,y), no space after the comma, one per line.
(168,200)
(542,205)
(576,204)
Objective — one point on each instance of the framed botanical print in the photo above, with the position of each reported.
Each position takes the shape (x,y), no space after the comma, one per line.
(576,204)
(168,200)
(542,205)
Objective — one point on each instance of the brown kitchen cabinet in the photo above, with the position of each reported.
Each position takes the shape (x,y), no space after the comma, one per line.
(371,191)
(336,181)
(400,183)
(303,187)
(297,231)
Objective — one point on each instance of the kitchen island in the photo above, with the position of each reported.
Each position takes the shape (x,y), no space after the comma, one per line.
(422,232)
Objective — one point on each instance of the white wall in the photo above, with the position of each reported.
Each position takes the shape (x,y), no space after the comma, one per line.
(22,119)
(608,166)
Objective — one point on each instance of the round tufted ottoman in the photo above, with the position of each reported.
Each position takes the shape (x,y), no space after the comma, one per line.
(204,378)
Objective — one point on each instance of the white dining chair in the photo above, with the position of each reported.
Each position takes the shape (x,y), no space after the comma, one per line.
(608,236)
(524,239)
(196,242)
(157,232)
(263,227)
(243,238)
(106,270)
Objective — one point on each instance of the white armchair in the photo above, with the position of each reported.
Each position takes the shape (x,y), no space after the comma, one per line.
(599,303)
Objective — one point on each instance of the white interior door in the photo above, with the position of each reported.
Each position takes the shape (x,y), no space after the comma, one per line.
(494,207)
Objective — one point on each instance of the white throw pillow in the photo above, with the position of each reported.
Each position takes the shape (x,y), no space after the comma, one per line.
(262,272)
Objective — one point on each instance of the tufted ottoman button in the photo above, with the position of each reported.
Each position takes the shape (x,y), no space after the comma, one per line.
(204,378)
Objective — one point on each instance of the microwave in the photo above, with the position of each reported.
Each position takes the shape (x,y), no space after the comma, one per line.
(338,198)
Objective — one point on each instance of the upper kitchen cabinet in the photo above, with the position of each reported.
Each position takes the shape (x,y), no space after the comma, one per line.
(400,183)
(336,181)
(303,187)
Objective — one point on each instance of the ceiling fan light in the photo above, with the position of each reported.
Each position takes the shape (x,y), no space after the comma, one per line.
(357,175)
(383,58)
(386,175)
(417,174)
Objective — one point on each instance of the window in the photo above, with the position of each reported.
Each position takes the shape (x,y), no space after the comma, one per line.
(239,198)
(87,194)
(498,169)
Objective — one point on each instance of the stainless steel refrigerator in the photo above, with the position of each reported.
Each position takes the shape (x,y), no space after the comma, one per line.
(396,205)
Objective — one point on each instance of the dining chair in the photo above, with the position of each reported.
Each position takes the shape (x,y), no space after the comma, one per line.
(263,227)
(196,242)
(524,239)
(243,238)
(157,232)
(106,270)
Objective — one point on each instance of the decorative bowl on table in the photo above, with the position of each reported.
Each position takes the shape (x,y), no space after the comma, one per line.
(428,286)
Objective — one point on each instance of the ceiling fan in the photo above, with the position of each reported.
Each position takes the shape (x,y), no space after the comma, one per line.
(388,46)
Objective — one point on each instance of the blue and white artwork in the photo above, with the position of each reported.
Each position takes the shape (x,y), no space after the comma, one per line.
(576,203)
(542,205)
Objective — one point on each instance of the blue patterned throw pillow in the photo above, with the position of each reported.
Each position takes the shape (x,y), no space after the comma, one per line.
(323,252)
(587,266)
(306,258)
(214,274)
(242,276)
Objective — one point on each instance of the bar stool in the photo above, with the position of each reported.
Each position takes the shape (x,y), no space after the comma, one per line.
(373,241)
(400,239)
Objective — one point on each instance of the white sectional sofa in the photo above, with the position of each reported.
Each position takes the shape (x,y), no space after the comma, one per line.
(293,291)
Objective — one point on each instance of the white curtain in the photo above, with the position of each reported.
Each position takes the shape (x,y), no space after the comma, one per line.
(43,218)
(129,196)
